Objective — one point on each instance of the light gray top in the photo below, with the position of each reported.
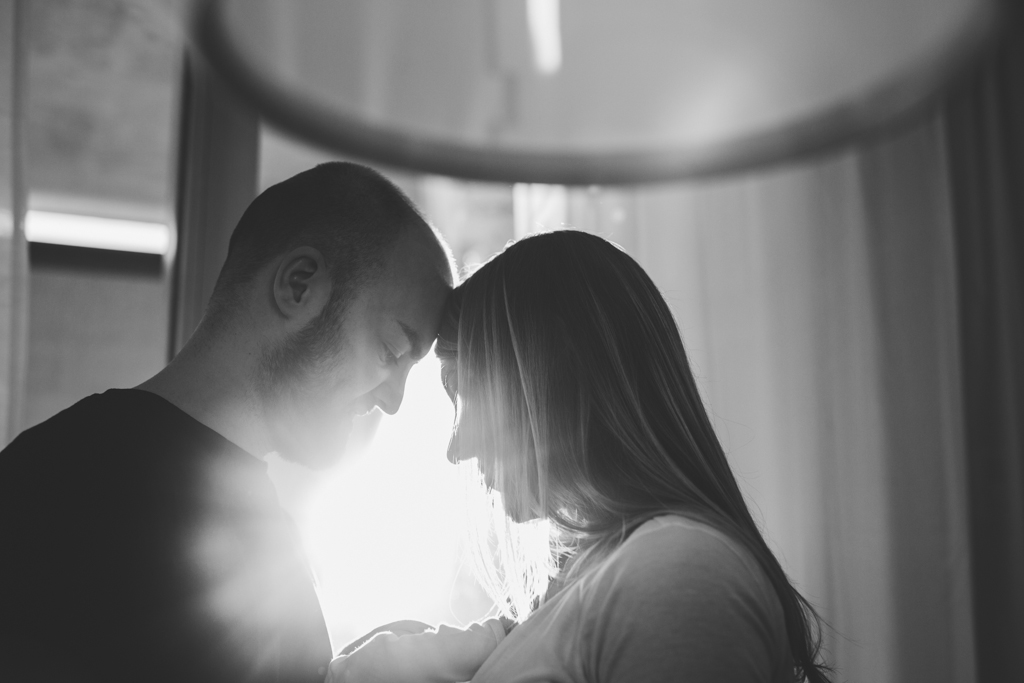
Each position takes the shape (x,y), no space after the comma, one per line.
(677,601)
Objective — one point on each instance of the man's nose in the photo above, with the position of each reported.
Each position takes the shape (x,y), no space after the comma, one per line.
(391,391)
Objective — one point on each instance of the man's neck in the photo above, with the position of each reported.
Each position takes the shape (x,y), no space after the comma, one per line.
(212,380)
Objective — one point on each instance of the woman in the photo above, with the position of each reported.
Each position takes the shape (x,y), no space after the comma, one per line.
(575,397)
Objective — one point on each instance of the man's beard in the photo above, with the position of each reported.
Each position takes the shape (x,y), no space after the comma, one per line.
(298,418)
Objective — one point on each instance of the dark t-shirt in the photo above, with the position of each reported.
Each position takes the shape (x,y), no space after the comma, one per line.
(138,544)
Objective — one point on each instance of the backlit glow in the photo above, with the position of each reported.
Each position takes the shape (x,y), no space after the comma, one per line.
(97,233)
(384,531)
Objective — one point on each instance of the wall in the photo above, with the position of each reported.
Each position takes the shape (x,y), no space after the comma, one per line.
(96,321)
(102,109)
(13,256)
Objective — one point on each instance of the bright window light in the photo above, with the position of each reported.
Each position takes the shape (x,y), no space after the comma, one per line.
(544,20)
(538,208)
(384,531)
(97,233)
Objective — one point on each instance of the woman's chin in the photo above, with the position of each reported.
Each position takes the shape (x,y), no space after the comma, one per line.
(519,512)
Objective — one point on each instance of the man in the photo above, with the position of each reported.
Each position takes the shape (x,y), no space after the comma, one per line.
(140,536)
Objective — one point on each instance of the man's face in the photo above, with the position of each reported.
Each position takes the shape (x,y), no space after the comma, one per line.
(329,373)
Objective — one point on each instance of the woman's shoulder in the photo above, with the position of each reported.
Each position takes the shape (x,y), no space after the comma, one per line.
(685,545)
(680,528)
(673,561)
(685,592)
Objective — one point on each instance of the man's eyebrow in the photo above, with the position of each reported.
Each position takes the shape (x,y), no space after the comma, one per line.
(413,336)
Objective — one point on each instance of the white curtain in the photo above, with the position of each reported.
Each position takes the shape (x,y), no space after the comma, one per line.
(818,304)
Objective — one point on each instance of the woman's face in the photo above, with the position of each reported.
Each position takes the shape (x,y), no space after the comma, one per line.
(450,382)
(456,452)
(472,428)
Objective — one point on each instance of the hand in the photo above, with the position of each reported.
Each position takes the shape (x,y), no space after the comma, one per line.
(405,627)
(447,655)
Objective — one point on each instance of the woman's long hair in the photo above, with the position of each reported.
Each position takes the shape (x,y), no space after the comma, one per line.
(576,396)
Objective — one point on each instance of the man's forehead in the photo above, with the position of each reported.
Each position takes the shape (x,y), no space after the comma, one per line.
(415,312)
(413,291)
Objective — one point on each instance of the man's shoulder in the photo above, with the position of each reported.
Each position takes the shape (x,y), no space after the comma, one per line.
(88,412)
(58,427)
(96,423)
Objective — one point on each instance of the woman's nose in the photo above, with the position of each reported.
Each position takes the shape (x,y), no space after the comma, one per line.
(455,456)
(453,449)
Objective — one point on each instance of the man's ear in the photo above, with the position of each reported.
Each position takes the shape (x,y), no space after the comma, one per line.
(302,285)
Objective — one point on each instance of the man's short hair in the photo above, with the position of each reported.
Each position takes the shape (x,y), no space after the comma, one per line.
(351,213)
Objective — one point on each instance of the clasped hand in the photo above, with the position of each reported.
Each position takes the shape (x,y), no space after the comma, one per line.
(413,652)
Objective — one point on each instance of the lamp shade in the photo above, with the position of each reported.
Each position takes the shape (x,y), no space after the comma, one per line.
(589,91)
